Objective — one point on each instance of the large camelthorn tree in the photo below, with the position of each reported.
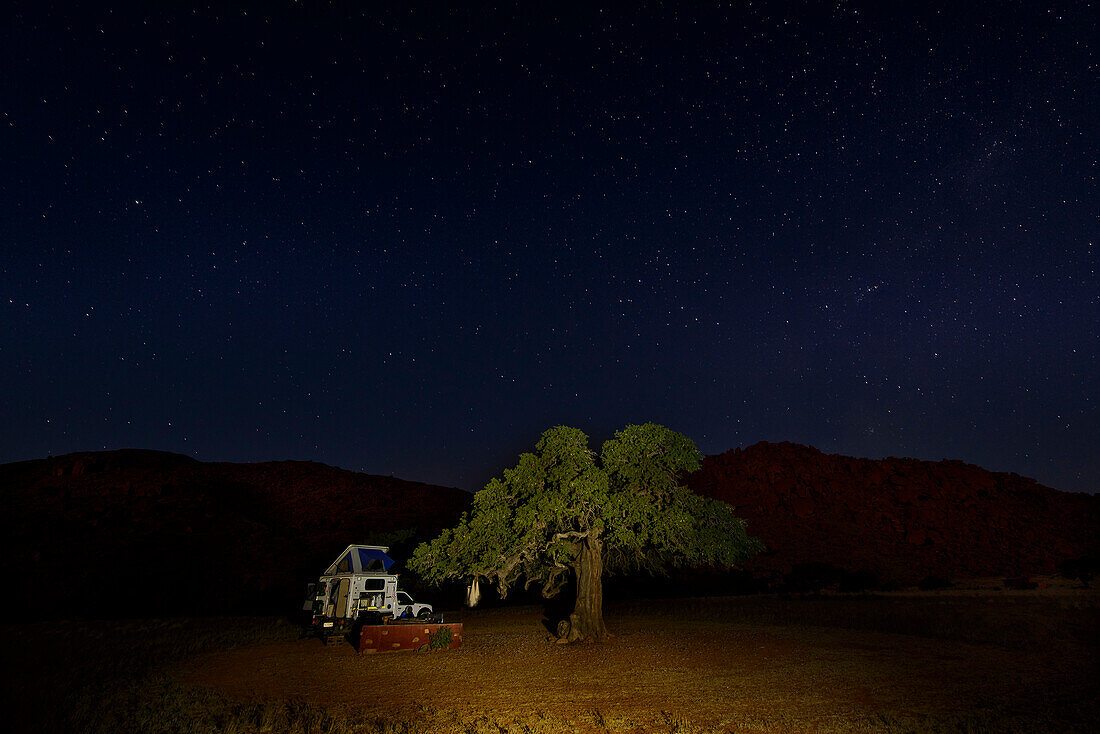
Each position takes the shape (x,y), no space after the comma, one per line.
(564,511)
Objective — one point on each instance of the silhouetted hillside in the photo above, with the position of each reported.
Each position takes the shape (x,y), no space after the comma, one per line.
(901,519)
(142,533)
(145,532)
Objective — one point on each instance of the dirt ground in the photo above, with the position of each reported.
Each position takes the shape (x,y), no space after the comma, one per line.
(722,675)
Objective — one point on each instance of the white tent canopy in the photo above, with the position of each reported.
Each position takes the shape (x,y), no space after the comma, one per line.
(360,559)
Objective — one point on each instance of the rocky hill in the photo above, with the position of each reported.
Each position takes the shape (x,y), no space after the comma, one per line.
(902,520)
(145,532)
(142,533)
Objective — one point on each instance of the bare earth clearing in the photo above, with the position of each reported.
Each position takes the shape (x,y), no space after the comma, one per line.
(669,673)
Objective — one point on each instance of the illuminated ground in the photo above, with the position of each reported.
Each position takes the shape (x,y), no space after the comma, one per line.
(661,672)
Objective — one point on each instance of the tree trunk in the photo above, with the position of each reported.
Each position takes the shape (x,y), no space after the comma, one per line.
(586,621)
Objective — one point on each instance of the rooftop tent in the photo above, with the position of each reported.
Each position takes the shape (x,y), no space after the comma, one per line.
(359,558)
(374,559)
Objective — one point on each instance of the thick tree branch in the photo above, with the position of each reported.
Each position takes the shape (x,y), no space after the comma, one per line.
(570,534)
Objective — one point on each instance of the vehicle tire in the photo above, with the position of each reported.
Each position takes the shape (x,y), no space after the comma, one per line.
(424,613)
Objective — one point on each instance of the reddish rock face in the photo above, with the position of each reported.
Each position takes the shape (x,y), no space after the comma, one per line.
(902,519)
(145,533)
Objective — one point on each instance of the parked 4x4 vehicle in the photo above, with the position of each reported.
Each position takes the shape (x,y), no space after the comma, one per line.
(358,587)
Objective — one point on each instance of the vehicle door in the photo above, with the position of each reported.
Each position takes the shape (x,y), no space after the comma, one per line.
(307,603)
(404,605)
(342,597)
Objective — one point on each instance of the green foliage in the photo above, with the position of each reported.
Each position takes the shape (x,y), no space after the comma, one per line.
(530,522)
(440,639)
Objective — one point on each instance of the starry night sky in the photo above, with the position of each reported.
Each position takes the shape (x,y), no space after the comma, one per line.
(407,240)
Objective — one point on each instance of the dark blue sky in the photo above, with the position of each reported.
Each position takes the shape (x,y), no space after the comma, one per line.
(408,240)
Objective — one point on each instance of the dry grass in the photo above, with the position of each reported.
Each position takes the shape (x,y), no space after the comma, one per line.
(754,664)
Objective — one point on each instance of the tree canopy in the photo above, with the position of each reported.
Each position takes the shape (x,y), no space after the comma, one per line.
(565,511)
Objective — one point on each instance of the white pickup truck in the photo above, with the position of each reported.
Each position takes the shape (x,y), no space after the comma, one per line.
(358,587)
